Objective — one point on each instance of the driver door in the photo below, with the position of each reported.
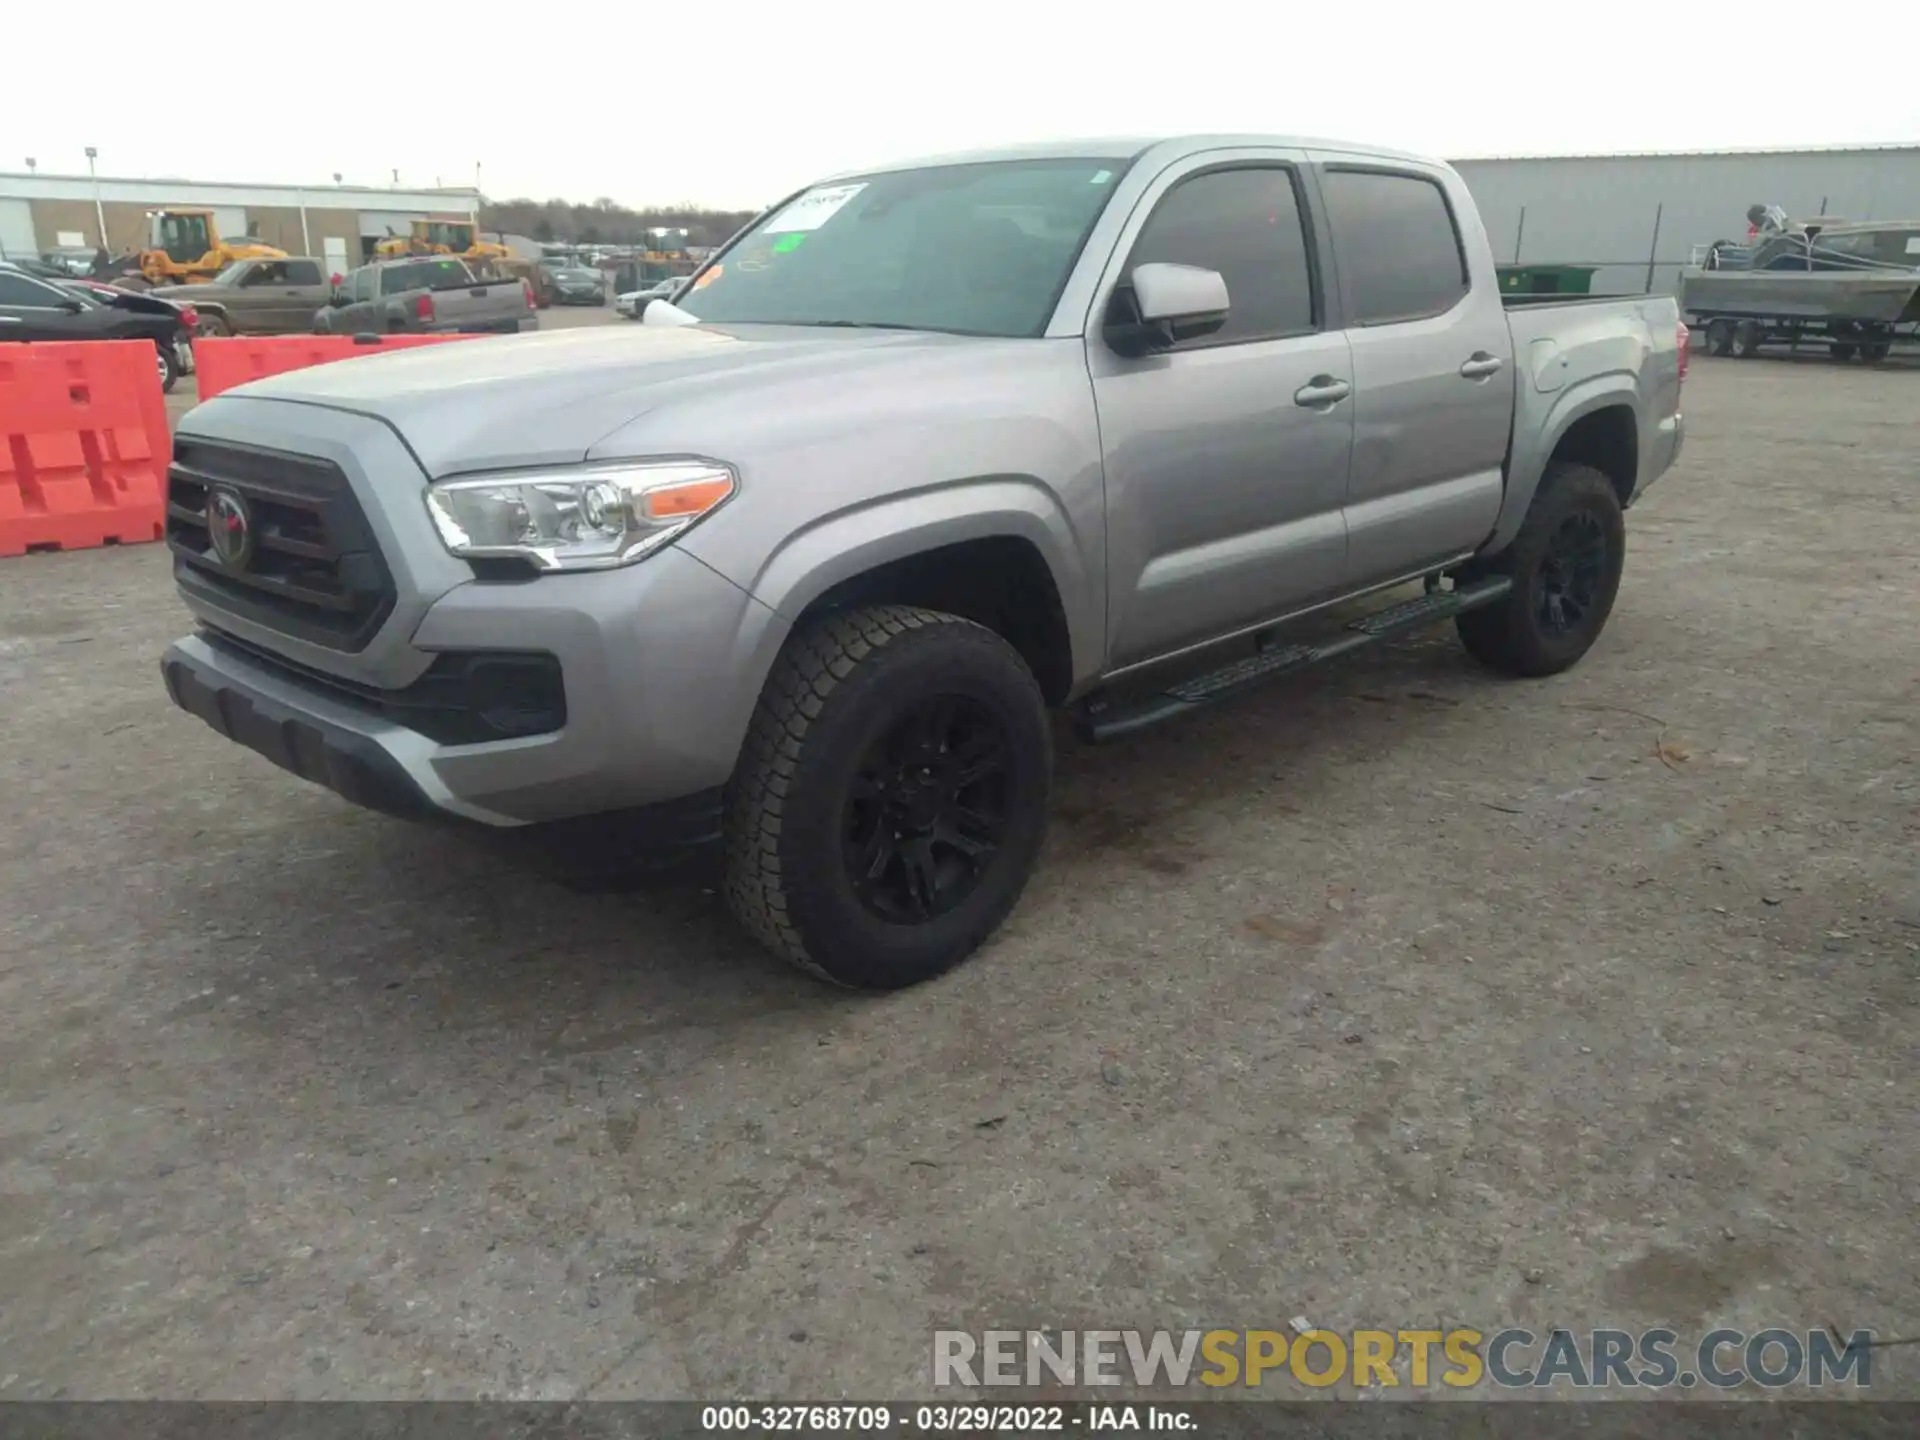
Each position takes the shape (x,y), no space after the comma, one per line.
(1226,457)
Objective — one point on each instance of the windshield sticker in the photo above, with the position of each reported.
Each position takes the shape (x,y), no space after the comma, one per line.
(1101,177)
(1913,244)
(708,278)
(755,259)
(813,209)
(787,244)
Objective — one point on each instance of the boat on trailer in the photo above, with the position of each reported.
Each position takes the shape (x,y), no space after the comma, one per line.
(1853,284)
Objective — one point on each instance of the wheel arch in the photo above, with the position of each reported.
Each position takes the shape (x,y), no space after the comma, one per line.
(1596,422)
(999,551)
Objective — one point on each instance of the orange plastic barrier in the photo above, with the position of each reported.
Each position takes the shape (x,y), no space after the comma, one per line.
(222,364)
(84,446)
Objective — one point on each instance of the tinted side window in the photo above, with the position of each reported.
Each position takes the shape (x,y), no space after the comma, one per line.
(363,285)
(1395,241)
(302,272)
(19,290)
(1244,223)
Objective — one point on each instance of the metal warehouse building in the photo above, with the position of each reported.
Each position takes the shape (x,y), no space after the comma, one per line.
(1636,217)
(39,213)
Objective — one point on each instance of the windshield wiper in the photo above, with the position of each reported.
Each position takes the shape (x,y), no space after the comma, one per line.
(854,325)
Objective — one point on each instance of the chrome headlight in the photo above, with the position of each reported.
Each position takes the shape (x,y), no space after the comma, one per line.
(588,517)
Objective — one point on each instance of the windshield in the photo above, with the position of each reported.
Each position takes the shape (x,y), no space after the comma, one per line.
(969,249)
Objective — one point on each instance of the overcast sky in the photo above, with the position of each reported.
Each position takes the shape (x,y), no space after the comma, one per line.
(733,104)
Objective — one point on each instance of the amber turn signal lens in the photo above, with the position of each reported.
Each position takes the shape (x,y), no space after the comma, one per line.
(690,497)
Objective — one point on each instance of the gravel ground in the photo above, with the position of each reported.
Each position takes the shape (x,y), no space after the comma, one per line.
(1395,995)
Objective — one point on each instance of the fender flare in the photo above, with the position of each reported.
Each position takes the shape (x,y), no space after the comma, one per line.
(1616,389)
(848,543)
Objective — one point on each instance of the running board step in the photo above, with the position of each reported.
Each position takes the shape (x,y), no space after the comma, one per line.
(1109,720)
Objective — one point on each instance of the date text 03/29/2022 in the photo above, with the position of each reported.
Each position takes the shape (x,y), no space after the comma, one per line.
(1090,1419)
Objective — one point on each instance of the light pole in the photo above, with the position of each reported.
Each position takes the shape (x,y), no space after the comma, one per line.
(99,210)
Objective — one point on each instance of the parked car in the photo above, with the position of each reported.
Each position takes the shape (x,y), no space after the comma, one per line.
(923,452)
(434,296)
(35,309)
(257,297)
(633,302)
(575,284)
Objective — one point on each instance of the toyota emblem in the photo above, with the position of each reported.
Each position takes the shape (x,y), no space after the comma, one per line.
(230,528)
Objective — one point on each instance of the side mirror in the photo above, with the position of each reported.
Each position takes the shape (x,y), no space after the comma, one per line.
(1163,305)
(72,306)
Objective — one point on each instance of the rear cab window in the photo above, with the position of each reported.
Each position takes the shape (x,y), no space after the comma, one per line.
(423,275)
(1397,245)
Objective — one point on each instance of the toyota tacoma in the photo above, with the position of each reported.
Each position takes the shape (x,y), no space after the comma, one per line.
(799,564)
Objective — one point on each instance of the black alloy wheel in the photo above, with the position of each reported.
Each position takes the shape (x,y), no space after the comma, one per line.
(1572,573)
(928,810)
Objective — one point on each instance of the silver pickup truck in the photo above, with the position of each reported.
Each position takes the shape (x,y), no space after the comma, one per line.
(436,296)
(800,563)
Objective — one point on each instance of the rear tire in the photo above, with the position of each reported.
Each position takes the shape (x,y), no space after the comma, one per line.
(1720,337)
(1842,350)
(1875,351)
(891,796)
(1746,339)
(1566,564)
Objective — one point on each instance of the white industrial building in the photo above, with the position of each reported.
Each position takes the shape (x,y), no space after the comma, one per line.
(342,223)
(1636,217)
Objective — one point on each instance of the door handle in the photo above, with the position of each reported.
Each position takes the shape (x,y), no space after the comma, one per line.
(1321,391)
(1480,365)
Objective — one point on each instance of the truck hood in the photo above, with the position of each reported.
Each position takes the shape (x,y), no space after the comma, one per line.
(548,398)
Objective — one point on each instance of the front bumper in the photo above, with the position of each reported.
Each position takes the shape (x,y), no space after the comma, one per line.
(317,742)
(659,662)
(580,297)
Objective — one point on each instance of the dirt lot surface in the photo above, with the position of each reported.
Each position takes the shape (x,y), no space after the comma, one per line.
(1397,995)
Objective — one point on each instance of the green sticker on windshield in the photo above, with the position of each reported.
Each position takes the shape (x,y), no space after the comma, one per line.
(787,244)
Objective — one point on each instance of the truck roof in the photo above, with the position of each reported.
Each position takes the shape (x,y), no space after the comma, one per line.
(1169,147)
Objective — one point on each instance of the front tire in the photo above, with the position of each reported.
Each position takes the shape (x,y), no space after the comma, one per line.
(891,797)
(1566,564)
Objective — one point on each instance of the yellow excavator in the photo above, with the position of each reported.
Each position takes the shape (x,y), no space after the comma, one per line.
(185,247)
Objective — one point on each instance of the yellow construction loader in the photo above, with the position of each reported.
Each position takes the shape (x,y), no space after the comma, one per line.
(184,247)
(459,238)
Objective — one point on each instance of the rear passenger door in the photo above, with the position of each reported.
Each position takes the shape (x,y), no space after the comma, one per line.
(1226,457)
(1433,366)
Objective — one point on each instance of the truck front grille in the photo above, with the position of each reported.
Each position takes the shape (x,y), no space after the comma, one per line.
(306,565)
